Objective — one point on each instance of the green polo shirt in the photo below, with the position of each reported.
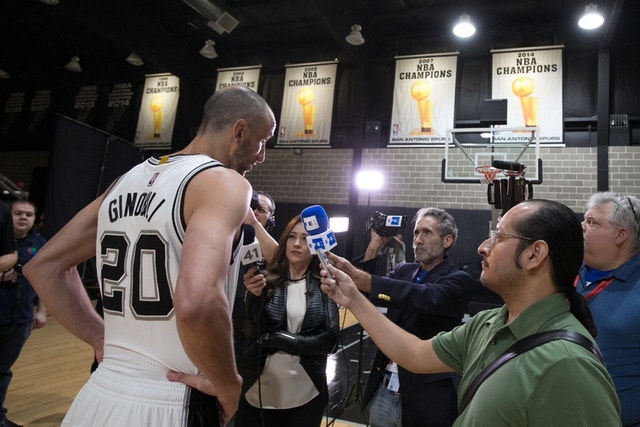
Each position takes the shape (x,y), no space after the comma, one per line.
(556,384)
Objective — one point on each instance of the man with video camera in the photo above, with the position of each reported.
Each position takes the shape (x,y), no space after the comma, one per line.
(424,298)
(386,248)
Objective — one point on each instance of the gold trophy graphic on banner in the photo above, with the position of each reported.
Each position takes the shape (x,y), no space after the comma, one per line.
(522,87)
(305,99)
(156,107)
(420,91)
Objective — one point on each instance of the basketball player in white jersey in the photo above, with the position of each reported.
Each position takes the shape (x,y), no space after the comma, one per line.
(164,235)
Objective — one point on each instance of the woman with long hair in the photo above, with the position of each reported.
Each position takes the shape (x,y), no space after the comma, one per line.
(290,327)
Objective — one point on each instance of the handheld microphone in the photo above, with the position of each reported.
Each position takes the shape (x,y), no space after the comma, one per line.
(320,239)
(251,253)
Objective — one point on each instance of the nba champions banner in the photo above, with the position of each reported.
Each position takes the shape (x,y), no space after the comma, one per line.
(307,104)
(243,76)
(423,100)
(157,111)
(530,79)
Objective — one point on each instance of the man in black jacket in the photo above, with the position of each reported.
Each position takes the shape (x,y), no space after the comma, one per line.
(424,298)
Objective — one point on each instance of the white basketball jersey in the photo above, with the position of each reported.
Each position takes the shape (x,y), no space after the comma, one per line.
(139,241)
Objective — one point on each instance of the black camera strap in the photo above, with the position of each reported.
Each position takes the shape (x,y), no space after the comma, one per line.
(523,345)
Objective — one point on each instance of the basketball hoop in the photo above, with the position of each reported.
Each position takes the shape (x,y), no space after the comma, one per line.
(488,173)
(510,169)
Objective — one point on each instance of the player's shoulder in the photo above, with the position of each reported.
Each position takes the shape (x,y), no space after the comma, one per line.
(223,176)
(218,184)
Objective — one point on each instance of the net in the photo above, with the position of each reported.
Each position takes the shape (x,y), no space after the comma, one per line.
(487,173)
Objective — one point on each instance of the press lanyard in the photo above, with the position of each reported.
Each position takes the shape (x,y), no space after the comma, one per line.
(599,287)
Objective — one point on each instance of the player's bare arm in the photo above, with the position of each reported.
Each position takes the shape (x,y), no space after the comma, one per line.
(53,273)
(406,349)
(216,204)
(7,261)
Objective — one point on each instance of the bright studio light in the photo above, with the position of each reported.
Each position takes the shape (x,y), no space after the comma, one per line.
(369,180)
(339,224)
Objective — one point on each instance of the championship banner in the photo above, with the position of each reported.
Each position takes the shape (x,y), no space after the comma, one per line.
(39,120)
(85,102)
(118,113)
(12,117)
(423,100)
(39,107)
(157,111)
(26,120)
(307,105)
(244,76)
(530,79)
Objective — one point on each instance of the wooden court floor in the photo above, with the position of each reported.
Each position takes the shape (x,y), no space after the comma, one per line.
(51,369)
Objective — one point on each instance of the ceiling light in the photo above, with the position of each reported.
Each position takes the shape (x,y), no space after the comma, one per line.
(591,18)
(4,74)
(50,2)
(134,59)
(464,28)
(355,36)
(207,50)
(74,65)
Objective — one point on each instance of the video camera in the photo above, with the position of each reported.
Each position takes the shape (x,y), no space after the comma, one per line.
(387,225)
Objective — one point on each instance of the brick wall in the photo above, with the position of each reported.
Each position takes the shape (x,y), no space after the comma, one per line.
(624,170)
(319,176)
(18,165)
(412,177)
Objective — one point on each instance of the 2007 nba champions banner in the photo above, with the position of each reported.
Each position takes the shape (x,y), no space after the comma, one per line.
(423,99)
(157,111)
(530,79)
(241,76)
(307,105)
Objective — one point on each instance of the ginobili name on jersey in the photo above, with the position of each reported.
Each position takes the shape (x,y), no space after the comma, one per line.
(134,204)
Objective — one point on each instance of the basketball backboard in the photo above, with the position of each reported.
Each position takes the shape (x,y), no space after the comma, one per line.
(468,148)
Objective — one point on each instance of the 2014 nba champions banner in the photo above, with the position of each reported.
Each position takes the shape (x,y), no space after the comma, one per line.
(157,111)
(530,79)
(423,99)
(240,76)
(307,105)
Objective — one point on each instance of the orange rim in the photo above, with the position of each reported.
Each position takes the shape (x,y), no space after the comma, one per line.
(488,173)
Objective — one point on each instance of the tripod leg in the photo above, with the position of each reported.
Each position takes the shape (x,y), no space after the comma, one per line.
(355,394)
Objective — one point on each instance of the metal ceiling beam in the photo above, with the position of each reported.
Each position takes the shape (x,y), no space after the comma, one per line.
(335,29)
(152,44)
(612,24)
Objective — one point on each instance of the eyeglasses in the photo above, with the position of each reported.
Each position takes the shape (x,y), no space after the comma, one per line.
(263,210)
(493,236)
(635,217)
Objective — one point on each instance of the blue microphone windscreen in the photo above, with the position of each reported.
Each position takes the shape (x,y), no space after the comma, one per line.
(315,220)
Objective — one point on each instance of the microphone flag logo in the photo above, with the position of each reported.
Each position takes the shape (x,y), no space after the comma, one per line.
(311,223)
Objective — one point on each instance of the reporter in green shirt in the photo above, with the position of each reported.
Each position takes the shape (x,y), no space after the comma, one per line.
(531,262)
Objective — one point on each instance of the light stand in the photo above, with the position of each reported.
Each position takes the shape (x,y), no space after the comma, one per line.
(355,394)
(365,180)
